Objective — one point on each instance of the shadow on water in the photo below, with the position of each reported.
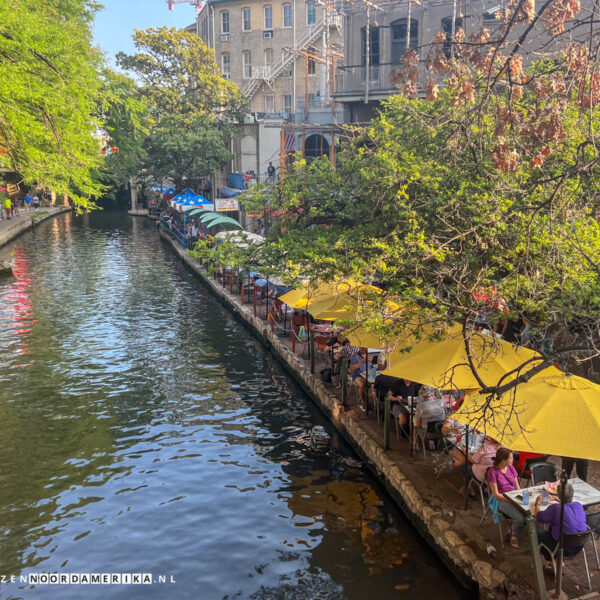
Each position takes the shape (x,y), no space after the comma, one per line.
(146,431)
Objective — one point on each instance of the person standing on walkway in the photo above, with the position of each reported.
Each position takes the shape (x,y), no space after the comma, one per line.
(27,201)
(36,202)
(581,465)
(15,207)
(6,204)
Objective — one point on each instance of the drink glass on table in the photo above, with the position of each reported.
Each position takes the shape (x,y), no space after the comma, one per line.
(525,497)
(545,497)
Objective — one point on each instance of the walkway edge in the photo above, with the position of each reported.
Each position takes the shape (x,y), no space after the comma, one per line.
(9,233)
(454,552)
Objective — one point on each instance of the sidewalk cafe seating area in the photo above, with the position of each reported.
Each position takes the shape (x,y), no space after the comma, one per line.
(439,429)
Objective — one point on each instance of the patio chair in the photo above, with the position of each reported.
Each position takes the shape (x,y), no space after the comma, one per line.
(542,471)
(481,486)
(573,544)
(593,522)
(433,432)
(525,472)
(321,344)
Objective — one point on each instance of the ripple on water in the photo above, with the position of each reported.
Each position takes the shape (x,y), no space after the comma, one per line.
(145,430)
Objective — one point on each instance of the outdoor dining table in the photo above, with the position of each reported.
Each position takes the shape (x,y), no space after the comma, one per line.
(584,493)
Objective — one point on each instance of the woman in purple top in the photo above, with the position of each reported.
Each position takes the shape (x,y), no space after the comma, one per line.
(574,521)
(502,478)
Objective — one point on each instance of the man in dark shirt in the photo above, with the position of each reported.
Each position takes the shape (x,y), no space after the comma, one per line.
(401,391)
(338,340)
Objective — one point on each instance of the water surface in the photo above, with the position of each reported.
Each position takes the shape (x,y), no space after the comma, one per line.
(144,430)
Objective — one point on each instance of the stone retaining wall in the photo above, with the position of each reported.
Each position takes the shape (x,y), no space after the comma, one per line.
(9,230)
(431,522)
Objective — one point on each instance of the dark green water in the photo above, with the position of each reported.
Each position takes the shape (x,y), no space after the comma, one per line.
(144,430)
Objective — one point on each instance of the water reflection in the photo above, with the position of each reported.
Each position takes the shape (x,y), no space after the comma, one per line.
(149,432)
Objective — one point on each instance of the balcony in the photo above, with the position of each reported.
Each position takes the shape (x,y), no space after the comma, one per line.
(350,83)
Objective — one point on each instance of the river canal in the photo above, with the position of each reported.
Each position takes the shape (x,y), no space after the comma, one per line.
(144,430)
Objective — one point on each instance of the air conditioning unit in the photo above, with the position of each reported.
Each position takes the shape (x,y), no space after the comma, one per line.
(267,34)
(224,37)
(226,76)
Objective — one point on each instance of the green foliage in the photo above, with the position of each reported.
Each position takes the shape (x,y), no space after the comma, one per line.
(191,105)
(48,98)
(424,202)
(126,121)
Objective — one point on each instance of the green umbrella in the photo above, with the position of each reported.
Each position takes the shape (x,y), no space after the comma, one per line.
(200,211)
(210,217)
(224,221)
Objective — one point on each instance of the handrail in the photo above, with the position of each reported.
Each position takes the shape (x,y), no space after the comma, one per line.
(268,74)
(181,238)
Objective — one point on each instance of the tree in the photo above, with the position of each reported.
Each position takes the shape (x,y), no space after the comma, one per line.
(49,93)
(480,200)
(191,105)
(126,123)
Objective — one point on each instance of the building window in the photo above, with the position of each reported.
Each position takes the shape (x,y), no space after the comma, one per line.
(373,45)
(286,103)
(225,65)
(447,29)
(268,57)
(399,35)
(246,26)
(286,72)
(247,60)
(287,15)
(268,17)
(269,103)
(225,22)
(311,12)
(312,67)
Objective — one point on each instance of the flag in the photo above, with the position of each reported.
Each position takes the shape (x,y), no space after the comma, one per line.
(290,142)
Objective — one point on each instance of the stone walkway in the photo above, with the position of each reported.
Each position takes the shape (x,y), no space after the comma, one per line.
(12,228)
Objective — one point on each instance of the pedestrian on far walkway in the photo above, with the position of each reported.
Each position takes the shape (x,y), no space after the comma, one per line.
(36,202)
(15,207)
(6,204)
(28,202)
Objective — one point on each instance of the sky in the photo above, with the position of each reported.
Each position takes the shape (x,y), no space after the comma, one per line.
(115,23)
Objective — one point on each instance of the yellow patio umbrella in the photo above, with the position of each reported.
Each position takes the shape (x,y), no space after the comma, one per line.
(557,415)
(365,339)
(348,295)
(290,298)
(344,305)
(444,364)
(325,291)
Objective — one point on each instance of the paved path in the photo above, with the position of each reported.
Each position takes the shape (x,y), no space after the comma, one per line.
(12,228)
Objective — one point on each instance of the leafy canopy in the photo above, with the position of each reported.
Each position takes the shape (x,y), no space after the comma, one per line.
(479,200)
(192,107)
(48,98)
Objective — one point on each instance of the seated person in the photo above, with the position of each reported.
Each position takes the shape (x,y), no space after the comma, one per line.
(456,434)
(574,521)
(480,461)
(358,365)
(337,341)
(503,477)
(401,391)
(349,351)
(431,409)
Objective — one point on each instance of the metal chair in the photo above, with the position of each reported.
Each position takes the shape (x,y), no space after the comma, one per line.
(573,544)
(433,432)
(525,474)
(481,486)
(593,522)
(542,471)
